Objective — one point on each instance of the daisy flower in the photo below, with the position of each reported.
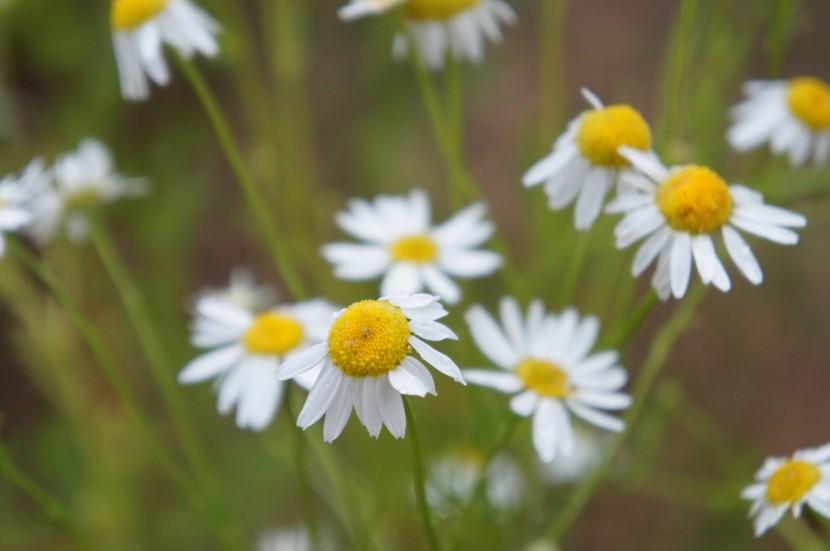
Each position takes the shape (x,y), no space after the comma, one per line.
(15,196)
(793,116)
(585,162)
(790,483)
(84,180)
(140,28)
(245,349)
(440,27)
(680,210)
(453,479)
(546,362)
(588,449)
(366,363)
(407,250)
(244,292)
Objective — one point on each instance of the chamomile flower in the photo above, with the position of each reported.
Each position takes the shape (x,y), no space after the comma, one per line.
(292,539)
(83,180)
(441,27)
(585,162)
(407,250)
(546,362)
(588,448)
(15,197)
(245,349)
(790,483)
(680,211)
(366,363)
(452,481)
(793,116)
(244,292)
(140,28)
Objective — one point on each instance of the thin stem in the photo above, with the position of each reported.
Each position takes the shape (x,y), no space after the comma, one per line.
(279,253)
(54,509)
(419,478)
(635,321)
(300,460)
(552,67)
(575,268)
(659,352)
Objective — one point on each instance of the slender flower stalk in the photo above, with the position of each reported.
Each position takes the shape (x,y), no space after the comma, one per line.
(420,479)
(53,507)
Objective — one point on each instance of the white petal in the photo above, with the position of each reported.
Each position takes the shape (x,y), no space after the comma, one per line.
(322,394)
(339,411)
(604,400)
(591,197)
(260,396)
(438,360)
(649,250)
(401,278)
(211,364)
(524,404)
(490,339)
(703,251)
(469,264)
(367,410)
(303,362)
(777,234)
(597,418)
(440,284)
(544,430)
(742,255)
(407,380)
(390,406)
(681,263)
(499,380)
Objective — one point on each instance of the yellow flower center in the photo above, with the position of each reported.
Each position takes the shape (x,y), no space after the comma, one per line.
(809,100)
(438,9)
(273,334)
(695,200)
(415,248)
(604,131)
(129,14)
(545,378)
(370,339)
(791,481)
(82,200)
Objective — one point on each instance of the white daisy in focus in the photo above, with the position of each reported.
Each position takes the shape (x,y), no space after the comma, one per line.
(439,28)
(793,116)
(140,28)
(83,180)
(244,292)
(453,479)
(407,250)
(680,210)
(15,199)
(245,349)
(588,448)
(366,364)
(546,362)
(296,539)
(585,163)
(790,483)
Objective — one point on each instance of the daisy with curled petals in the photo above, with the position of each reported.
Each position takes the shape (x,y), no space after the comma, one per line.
(793,116)
(585,162)
(790,483)
(439,28)
(15,197)
(546,362)
(83,180)
(680,211)
(366,364)
(410,252)
(245,350)
(140,28)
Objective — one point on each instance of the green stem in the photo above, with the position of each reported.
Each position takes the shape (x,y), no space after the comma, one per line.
(279,253)
(552,68)
(54,509)
(638,316)
(799,536)
(575,268)
(419,479)
(300,464)
(659,352)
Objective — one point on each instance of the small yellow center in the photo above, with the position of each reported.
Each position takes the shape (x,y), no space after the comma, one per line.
(438,9)
(545,378)
(809,100)
(420,249)
(791,481)
(371,338)
(129,14)
(695,200)
(604,131)
(82,200)
(273,334)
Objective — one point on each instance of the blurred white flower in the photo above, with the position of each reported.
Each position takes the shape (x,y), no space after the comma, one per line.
(545,361)
(680,211)
(244,292)
(793,116)
(366,364)
(140,28)
(790,483)
(407,250)
(459,28)
(246,349)
(15,199)
(585,163)
(588,448)
(294,539)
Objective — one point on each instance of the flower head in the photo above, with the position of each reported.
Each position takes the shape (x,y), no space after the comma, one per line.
(545,361)
(793,116)
(367,364)
(15,199)
(790,483)
(410,252)
(585,162)
(140,28)
(245,349)
(680,211)
(441,27)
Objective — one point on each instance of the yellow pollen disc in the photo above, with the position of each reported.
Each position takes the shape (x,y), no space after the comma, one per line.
(129,14)
(545,378)
(415,248)
(604,131)
(695,200)
(791,481)
(273,334)
(83,199)
(438,9)
(370,339)
(809,100)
